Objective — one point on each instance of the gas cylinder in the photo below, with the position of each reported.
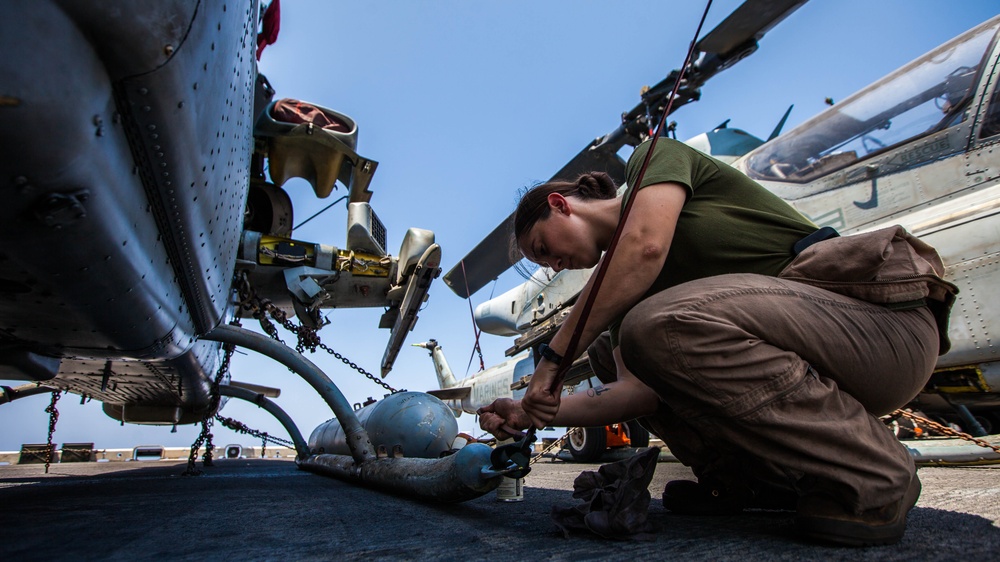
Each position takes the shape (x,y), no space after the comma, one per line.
(423,426)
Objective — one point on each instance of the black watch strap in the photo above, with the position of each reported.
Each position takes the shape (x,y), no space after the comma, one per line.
(548,353)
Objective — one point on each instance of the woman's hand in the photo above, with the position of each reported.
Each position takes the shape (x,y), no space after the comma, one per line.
(541,401)
(504,418)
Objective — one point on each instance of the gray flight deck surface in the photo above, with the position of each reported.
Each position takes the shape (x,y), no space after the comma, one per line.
(269,509)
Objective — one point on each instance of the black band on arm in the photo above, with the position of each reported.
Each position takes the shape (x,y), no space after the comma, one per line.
(548,353)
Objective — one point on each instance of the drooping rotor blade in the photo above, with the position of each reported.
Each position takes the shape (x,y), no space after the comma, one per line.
(493,255)
(417,286)
(599,156)
(731,41)
(749,22)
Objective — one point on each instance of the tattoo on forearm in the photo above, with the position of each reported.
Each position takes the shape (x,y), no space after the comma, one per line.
(597,390)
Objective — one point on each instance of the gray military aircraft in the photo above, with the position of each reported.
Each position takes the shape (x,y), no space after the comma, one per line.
(916,148)
(144,159)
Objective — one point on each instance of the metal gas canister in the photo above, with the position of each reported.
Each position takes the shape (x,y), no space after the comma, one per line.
(510,489)
(421,425)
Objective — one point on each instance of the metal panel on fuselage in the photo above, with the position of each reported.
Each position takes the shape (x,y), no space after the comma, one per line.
(190,124)
(84,270)
(127,138)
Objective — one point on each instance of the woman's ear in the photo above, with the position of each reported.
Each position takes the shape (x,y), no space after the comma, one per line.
(558,203)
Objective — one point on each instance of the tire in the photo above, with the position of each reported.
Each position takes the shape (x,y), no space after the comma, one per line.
(587,444)
(986,424)
(903,428)
(638,436)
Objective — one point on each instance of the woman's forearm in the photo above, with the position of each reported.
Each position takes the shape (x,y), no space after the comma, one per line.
(606,404)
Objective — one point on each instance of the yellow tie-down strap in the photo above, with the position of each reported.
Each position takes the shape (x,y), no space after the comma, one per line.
(364,264)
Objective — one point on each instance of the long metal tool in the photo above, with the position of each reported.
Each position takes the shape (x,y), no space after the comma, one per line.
(462,476)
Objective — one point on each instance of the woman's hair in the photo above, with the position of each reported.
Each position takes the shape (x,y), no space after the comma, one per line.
(534,205)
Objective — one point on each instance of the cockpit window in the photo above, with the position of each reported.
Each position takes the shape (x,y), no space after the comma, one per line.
(929,94)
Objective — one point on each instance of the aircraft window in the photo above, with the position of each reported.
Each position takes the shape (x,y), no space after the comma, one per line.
(929,94)
(523,368)
(991,124)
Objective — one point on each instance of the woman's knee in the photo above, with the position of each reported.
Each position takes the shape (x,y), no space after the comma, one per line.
(646,342)
(692,345)
(689,316)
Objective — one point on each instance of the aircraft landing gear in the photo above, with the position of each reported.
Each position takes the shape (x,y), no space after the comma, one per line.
(588,444)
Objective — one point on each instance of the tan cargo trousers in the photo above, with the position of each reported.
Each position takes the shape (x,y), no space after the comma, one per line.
(768,380)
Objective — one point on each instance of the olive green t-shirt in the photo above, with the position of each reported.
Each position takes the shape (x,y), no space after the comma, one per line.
(729,223)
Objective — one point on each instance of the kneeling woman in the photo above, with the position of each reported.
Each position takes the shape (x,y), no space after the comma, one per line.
(767,387)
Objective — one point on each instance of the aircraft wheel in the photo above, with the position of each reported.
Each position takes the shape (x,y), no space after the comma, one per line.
(985,421)
(587,444)
(637,435)
(903,428)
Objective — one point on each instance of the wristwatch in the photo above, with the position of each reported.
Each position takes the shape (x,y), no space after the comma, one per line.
(548,353)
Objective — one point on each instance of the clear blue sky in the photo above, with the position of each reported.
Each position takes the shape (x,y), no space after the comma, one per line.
(463,103)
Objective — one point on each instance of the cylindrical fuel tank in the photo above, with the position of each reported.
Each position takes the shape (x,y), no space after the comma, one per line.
(422,425)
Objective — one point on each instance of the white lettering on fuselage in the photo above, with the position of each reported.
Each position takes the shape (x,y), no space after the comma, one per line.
(486,391)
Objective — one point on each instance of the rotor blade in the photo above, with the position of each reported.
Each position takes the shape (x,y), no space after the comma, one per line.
(494,255)
(491,257)
(454,393)
(731,41)
(267,391)
(600,158)
(749,22)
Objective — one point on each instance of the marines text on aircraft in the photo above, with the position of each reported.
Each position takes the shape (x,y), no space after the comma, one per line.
(916,148)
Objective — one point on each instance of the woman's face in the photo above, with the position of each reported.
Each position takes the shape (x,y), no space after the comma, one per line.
(563,240)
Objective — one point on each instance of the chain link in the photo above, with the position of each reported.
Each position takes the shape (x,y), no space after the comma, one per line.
(551,446)
(191,470)
(354,366)
(943,429)
(307,338)
(53,413)
(264,436)
(205,437)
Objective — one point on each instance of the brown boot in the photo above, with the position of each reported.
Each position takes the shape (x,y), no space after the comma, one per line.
(823,518)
